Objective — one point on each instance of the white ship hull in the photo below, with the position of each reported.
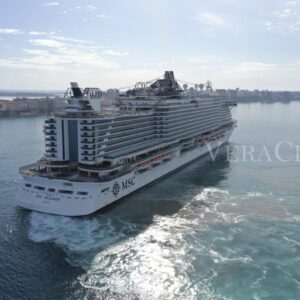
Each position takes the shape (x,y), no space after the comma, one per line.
(100,194)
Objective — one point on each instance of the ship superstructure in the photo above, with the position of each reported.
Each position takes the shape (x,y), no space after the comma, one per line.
(96,156)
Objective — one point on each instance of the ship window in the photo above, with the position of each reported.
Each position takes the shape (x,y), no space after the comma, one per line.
(39,188)
(51,190)
(105,190)
(82,193)
(66,192)
(28,185)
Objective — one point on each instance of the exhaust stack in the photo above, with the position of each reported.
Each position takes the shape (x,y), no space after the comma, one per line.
(77,92)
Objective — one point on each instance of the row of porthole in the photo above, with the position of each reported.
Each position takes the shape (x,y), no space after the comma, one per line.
(59,191)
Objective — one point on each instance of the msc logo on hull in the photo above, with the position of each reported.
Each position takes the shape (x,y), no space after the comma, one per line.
(124,185)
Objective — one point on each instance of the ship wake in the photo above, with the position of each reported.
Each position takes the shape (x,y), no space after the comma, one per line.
(178,256)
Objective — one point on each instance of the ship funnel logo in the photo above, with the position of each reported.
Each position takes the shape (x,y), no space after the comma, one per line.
(116,189)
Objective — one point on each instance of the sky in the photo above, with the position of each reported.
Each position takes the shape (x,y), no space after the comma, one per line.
(45,44)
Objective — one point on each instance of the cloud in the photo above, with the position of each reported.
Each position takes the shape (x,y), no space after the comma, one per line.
(291,3)
(114,53)
(211,19)
(103,17)
(255,66)
(53,36)
(217,22)
(47,43)
(284,13)
(248,67)
(51,4)
(283,28)
(10,31)
(204,60)
(85,13)
(68,39)
(286,20)
(36,33)
(64,54)
(36,51)
(90,8)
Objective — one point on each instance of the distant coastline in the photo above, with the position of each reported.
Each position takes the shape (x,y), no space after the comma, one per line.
(37,103)
(264,96)
(12,94)
(20,107)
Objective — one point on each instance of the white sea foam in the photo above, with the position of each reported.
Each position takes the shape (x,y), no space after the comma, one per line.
(75,234)
(211,193)
(258,282)
(218,258)
(224,239)
(294,218)
(215,203)
(255,194)
(291,241)
(290,217)
(152,263)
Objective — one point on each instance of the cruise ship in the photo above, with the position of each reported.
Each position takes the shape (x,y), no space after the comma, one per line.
(96,155)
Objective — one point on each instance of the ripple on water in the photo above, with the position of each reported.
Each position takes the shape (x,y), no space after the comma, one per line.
(204,251)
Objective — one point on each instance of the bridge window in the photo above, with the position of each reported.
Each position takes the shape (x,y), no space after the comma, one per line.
(51,190)
(28,185)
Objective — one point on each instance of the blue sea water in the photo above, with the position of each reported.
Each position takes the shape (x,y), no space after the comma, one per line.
(228,229)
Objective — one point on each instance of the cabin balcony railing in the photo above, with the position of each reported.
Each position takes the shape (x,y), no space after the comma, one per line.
(54,163)
(50,134)
(51,145)
(101,167)
(49,127)
(86,129)
(50,139)
(50,131)
(88,154)
(51,151)
(87,143)
(85,122)
(50,156)
(88,148)
(84,152)
(87,136)
(50,121)
(90,159)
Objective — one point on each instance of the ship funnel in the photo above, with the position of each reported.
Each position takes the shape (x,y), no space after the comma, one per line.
(77,92)
(169,75)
